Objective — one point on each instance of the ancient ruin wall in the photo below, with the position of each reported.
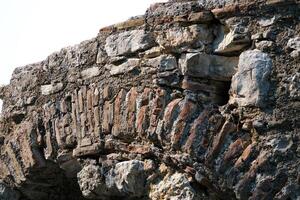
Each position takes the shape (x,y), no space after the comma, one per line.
(193,100)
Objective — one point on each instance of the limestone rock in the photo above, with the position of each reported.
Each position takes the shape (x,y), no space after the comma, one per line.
(51,89)
(128,42)
(90,72)
(194,36)
(250,85)
(129,178)
(162,63)
(126,179)
(173,186)
(91,182)
(125,67)
(209,66)
(235,40)
(294,43)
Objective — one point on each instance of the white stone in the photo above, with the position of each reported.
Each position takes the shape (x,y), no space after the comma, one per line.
(267,21)
(174,187)
(129,177)
(128,42)
(236,40)
(208,66)
(250,85)
(90,72)
(294,43)
(51,89)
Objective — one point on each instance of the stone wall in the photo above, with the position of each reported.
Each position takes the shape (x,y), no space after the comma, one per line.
(193,100)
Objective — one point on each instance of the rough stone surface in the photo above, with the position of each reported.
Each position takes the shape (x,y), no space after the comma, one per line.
(251,84)
(128,42)
(193,100)
(209,66)
(173,186)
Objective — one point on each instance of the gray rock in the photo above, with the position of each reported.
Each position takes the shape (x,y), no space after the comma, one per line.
(128,42)
(177,37)
(163,63)
(250,85)
(264,22)
(91,181)
(125,67)
(151,53)
(7,193)
(208,66)
(51,88)
(235,40)
(174,186)
(264,45)
(294,43)
(90,72)
(282,144)
(129,178)
(126,179)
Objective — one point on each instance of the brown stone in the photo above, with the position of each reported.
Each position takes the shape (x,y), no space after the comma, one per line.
(90,150)
(158,103)
(142,120)
(196,133)
(118,113)
(245,156)
(234,150)
(107,119)
(90,99)
(131,23)
(218,140)
(96,97)
(139,149)
(130,113)
(179,129)
(201,17)
(107,92)
(170,113)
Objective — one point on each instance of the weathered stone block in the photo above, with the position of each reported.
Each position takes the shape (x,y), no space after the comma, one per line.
(128,42)
(193,36)
(52,88)
(235,40)
(162,63)
(250,85)
(90,72)
(127,66)
(208,66)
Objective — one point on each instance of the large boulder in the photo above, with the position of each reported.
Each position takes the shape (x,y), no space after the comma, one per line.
(250,85)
